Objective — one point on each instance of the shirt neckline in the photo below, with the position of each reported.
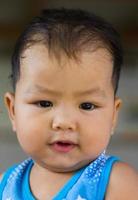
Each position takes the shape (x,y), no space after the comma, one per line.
(27,194)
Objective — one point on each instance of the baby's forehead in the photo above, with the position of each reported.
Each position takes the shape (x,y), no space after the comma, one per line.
(69,76)
(38,65)
(36,62)
(39,52)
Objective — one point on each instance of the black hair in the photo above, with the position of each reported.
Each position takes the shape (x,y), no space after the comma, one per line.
(69,31)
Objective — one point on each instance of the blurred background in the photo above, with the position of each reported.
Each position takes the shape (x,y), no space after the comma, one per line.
(123,14)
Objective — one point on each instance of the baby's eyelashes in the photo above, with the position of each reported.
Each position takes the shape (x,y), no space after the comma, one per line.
(87,106)
(44,104)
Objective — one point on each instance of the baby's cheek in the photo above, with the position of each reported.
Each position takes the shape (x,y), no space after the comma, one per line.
(95,144)
(30,139)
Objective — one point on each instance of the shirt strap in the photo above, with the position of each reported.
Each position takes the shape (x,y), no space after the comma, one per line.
(105,176)
(5,178)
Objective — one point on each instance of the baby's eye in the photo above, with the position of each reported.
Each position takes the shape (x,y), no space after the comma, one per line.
(44,104)
(87,106)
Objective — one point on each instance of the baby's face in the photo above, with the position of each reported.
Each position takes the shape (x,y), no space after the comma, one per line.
(64,112)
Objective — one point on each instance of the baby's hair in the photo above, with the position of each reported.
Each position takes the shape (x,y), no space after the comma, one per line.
(69,31)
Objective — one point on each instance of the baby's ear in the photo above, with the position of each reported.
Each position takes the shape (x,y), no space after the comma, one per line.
(117,106)
(9,99)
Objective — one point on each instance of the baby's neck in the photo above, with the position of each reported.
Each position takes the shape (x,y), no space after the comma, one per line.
(45,184)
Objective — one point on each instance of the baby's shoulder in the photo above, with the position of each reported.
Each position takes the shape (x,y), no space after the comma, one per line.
(1,175)
(123,183)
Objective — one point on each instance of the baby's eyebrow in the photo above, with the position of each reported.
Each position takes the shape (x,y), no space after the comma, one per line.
(40,89)
(95,91)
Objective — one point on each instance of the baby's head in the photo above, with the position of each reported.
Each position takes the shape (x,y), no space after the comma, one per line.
(65,72)
(71,33)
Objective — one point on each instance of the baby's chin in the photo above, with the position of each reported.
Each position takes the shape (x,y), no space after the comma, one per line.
(69,168)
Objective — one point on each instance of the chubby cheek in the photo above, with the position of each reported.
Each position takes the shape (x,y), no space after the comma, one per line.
(96,138)
(95,145)
(30,134)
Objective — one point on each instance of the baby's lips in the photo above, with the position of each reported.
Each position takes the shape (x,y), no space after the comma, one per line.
(66,142)
(63,146)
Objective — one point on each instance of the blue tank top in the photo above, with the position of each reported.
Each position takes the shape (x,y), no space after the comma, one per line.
(88,183)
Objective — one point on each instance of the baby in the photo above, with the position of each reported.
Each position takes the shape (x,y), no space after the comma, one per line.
(64,109)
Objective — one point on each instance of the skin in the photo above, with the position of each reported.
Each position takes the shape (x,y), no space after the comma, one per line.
(66,85)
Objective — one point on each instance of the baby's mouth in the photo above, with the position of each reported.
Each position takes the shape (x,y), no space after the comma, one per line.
(63,146)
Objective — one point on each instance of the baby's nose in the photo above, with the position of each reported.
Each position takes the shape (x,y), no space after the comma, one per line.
(64,121)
